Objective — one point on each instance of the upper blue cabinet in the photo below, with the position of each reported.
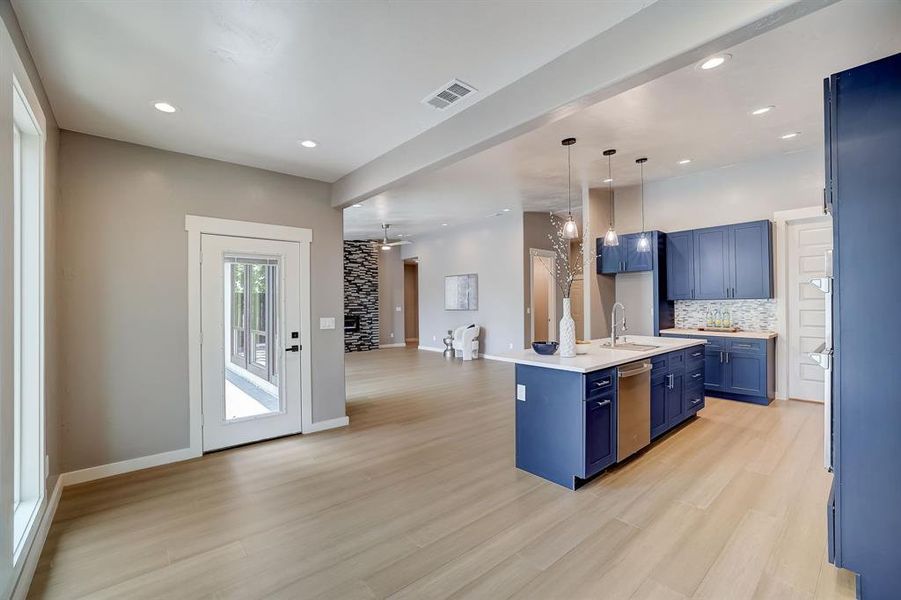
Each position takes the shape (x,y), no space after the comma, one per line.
(721,263)
(626,257)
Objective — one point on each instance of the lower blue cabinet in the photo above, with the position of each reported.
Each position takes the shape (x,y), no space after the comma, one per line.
(739,368)
(600,451)
(675,397)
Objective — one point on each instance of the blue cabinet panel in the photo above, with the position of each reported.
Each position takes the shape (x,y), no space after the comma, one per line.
(658,405)
(865,152)
(711,258)
(675,398)
(680,265)
(611,257)
(600,451)
(751,260)
(715,367)
(746,373)
(636,260)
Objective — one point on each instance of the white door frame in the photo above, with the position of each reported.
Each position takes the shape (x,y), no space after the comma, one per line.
(197,226)
(782,220)
(552,289)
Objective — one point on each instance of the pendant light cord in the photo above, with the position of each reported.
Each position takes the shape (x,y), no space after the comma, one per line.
(610,187)
(641,170)
(569,181)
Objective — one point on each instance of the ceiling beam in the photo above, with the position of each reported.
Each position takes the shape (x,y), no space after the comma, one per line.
(664,36)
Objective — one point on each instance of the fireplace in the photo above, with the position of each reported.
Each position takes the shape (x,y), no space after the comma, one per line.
(351,323)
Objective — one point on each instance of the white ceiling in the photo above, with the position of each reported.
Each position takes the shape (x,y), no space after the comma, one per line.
(704,116)
(251,79)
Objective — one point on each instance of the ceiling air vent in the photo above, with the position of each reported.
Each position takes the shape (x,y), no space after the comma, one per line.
(448,94)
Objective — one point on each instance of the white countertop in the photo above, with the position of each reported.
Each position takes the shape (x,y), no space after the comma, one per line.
(752,335)
(599,357)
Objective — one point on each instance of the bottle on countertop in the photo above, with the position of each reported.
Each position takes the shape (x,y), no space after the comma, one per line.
(717,318)
(727,318)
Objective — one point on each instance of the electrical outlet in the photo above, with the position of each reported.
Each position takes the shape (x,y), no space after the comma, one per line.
(510,345)
(398,308)
(391,335)
(434,338)
(520,392)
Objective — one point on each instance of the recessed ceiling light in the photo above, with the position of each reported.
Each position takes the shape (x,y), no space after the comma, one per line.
(608,180)
(308,144)
(506,210)
(357,206)
(164,107)
(791,135)
(684,161)
(714,62)
(762,110)
(444,224)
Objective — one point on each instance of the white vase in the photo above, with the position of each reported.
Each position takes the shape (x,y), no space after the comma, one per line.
(567,332)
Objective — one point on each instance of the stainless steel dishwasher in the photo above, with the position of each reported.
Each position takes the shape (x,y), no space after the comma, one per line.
(633,408)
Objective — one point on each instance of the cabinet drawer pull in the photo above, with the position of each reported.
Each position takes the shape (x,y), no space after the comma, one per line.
(695,401)
(603,404)
(696,375)
(696,354)
(602,383)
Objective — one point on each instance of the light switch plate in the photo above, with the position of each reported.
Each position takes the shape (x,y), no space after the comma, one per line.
(520,392)
(398,308)
(326,322)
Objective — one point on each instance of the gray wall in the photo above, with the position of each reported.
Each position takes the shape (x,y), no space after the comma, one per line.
(492,248)
(391,296)
(599,290)
(15,60)
(745,191)
(123,294)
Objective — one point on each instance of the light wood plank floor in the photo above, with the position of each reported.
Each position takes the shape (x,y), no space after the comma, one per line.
(418,498)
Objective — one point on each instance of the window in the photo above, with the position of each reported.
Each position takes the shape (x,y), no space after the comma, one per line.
(28,321)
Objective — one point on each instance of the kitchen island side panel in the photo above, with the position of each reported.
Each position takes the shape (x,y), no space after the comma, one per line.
(549,427)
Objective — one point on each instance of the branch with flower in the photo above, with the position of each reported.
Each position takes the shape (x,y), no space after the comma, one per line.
(569,264)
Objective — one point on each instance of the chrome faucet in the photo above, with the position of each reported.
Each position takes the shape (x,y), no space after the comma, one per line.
(613,323)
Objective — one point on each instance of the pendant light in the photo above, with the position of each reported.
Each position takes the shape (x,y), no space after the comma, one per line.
(644,244)
(570,229)
(385,245)
(610,239)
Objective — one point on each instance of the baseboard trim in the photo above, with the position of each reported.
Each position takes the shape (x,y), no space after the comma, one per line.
(498,358)
(126,466)
(23,583)
(328,424)
(399,345)
(430,348)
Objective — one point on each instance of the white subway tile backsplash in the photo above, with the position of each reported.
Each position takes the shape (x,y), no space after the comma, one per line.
(747,315)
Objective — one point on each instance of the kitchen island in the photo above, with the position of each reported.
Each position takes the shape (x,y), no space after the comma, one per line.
(577,416)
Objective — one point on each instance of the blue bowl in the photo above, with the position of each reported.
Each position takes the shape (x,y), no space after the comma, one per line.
(544,347)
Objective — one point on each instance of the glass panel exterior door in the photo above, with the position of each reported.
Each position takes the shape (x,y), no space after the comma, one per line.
(247,295)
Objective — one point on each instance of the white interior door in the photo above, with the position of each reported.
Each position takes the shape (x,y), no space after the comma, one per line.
(250,324)
(807,243)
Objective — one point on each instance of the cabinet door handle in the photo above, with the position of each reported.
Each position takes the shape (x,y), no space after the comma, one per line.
(721,356)
(692,293)
(672,381)
(603,404)
(727,358)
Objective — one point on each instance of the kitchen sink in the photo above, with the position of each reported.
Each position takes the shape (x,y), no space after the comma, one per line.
(630,346)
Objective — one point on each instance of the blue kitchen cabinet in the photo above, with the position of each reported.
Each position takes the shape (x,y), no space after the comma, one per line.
(626,257)
(746,370)
(751,260)
(863,108)
(715,366)
(675,398)
(600,449)
(737,368)
(720,263)
(680,277)
(636,260)
(610,259)
(711,263)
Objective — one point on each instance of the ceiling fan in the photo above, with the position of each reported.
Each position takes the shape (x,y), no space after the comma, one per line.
(386,245)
